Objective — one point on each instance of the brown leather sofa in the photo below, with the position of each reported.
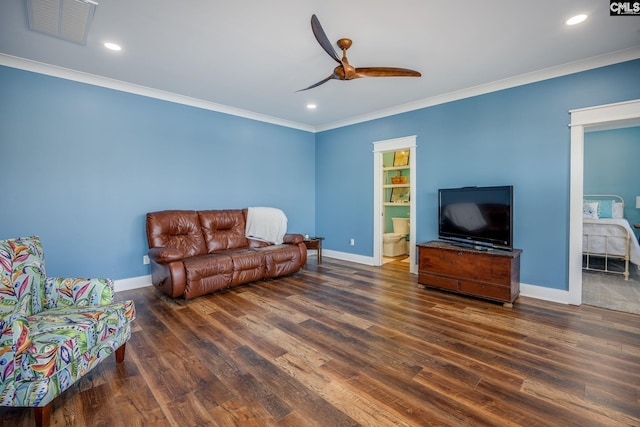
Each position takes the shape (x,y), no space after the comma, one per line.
(194,253)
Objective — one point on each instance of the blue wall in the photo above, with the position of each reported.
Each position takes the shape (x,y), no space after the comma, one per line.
(612,166)
(82,165)
(518,136)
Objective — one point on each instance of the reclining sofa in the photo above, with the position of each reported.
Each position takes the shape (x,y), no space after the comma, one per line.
(193,253)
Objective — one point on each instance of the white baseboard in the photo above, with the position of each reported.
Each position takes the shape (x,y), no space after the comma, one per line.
(526,290)
(132,283)
(544,293)
(344,256)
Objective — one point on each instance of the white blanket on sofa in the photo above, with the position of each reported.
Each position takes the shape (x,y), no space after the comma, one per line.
(267,224)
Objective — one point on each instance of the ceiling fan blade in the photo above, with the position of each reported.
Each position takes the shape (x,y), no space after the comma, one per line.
(386,72)
(318,32)
(317,84)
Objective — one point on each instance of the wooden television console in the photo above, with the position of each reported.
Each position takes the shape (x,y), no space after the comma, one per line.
(489,274)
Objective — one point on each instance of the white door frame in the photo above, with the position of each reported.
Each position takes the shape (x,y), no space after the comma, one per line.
(607,116)
(379,147)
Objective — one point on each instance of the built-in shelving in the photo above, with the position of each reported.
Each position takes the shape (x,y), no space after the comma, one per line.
(388,187)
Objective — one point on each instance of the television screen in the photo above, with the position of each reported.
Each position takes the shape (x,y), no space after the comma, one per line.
(479,216)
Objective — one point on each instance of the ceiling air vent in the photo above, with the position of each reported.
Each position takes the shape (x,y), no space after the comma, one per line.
(65,19)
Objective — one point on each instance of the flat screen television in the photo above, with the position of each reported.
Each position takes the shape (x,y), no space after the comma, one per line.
(481,217)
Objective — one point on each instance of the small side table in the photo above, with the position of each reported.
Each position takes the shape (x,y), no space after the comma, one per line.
(316,244)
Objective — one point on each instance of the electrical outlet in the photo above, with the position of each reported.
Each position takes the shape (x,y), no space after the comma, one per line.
(352,242)
(145,259)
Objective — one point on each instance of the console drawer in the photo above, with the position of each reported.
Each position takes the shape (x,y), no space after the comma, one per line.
(438,281)
(485,290)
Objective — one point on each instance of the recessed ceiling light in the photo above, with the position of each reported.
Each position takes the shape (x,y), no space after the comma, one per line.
(312,106)
(576,19)
(112,46)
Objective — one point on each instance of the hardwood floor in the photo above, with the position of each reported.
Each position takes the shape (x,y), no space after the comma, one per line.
(346,344)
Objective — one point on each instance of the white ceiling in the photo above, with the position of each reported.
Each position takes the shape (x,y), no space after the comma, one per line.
(250,56)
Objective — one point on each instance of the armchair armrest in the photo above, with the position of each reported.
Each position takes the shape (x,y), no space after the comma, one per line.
(15,338)
(6,321)
(21,334)
(293,238)
(165,255)
(64,292)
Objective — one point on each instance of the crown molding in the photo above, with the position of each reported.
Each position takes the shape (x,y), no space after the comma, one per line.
(92,79)
(523,79)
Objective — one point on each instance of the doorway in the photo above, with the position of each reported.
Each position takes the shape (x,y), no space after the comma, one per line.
(609,116)
(608,171)
(407,144)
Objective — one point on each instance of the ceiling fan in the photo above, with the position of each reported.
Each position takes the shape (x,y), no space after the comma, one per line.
(346,71)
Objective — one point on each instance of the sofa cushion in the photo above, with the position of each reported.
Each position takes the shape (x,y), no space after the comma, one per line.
(176,229)
(223,229)
(248,265)
(207,273)
(281,260)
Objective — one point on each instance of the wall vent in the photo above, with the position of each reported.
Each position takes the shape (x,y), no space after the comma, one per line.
(66,19)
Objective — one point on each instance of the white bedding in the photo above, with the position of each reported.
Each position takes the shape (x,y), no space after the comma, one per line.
(615,244)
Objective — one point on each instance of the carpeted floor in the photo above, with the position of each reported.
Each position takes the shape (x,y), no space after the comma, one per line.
(610,290)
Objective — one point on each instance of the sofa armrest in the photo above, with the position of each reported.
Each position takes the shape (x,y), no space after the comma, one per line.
(289,239)
(254,243)
(165,255)
(65,292)
(293,239)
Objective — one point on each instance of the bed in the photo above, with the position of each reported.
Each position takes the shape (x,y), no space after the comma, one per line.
(607,235)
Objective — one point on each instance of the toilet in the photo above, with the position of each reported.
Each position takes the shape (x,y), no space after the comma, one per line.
(395,244)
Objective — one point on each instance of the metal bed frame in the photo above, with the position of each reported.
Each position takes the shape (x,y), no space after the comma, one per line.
(606,255)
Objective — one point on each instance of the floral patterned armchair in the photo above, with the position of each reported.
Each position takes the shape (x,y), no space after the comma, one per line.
(54,330)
